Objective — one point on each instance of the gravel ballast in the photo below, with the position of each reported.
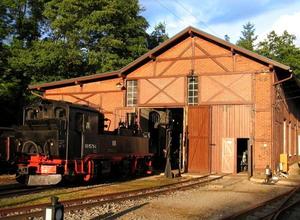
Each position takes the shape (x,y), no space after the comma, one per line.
(213,201)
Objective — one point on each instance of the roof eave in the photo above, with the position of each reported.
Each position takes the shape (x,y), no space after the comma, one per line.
(74,81)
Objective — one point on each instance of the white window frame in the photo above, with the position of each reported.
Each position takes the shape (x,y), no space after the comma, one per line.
(284,137)
(295,140)
(192,90)
(290,139)
(131,92)
(298,144)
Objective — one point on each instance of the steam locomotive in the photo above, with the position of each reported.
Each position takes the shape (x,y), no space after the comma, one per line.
(64,141)
(7,150)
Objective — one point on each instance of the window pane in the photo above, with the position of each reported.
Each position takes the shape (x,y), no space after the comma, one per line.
(193,90)
(131,95)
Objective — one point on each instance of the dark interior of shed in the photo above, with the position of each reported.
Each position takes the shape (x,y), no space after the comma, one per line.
(242,155)
(162,125)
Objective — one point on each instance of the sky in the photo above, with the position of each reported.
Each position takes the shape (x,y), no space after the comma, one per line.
(221,17)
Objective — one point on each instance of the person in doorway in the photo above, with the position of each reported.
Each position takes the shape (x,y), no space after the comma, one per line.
(244,161)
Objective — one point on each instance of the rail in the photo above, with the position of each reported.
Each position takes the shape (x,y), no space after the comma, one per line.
(77,204)
(276,208)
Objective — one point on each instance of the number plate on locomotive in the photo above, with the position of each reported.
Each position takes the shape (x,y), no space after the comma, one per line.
(48,169)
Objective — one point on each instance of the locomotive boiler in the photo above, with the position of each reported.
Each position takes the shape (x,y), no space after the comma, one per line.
(64,141)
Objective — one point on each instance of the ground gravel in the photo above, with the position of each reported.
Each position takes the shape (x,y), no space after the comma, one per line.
(213,201)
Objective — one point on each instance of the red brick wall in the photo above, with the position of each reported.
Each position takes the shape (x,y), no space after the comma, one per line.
(263,121)
(285,110)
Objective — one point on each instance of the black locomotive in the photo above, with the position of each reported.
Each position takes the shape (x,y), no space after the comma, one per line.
(7,150)
(60,140)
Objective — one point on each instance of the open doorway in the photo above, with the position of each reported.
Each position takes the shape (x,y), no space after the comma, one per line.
(242,155)
(159,123)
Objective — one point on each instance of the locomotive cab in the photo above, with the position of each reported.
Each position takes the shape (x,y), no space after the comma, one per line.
(60,140)
(49,127)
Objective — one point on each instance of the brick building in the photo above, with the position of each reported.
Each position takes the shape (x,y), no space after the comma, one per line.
(222,99)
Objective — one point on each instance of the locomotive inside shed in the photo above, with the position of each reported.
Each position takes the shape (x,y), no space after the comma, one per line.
(162,125)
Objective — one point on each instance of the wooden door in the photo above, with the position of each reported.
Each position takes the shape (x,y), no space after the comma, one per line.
(228,155)
(199,136)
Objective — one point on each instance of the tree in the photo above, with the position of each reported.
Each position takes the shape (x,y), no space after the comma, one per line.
(110,31)
(248,37)
(46,40)
(21,23)
(227,38)
(157,36)
(24,19)
(282,49)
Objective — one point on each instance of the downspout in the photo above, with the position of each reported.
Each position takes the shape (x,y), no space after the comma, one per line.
(275,101)
(36,94)
(66,168)
(283,80)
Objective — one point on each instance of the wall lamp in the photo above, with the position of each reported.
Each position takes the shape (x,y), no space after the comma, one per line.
(120,85)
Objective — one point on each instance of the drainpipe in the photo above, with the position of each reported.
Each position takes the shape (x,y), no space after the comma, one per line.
(283,80)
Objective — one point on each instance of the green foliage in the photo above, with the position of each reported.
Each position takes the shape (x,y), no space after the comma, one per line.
(3,21)
(282,49)
(23,19)
(47,40)
(248,37)
(111,31)
(158,35)
(227,38)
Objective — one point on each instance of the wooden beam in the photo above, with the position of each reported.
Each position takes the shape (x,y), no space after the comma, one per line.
(213,59)
(191,33)
(83,93)
(198,73)
(152,57)
(83,99)
(163,105)
(154,63)
(227,103)
(173,62)
(161,90)
(226,87)
(193,57)
(232,51)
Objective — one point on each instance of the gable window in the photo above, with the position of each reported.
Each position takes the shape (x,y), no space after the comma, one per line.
(192,90)
(131,93)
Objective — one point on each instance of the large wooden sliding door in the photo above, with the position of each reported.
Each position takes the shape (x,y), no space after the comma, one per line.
(199,135)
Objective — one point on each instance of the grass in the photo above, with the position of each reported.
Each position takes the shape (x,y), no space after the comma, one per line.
(86,192)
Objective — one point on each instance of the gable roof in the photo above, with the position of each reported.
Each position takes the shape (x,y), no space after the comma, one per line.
(75,81)
(158,50)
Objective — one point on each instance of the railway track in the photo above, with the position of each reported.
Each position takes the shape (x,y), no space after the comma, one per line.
(20,190)
(78,204)
(286,206)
